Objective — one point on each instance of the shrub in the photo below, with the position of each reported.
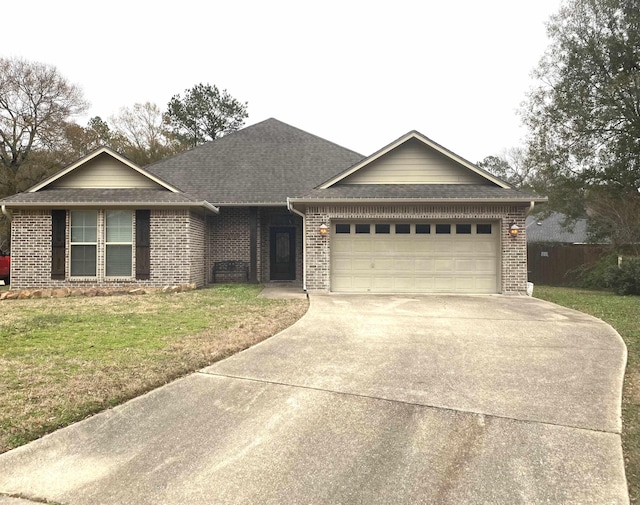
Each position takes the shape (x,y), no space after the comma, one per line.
(595,276)
(625,280)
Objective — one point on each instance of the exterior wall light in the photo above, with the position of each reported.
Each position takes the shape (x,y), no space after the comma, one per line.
(514,229)
(324,230)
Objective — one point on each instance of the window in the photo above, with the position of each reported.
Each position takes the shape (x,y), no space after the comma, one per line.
(363,228)
(483,229)
(423,229)
(443,229)
(105,234)
(463,229)
(403,229)
(383,229)
(343,228)
(84,243)
(119,243)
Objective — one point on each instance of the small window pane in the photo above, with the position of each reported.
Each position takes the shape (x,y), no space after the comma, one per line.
(483,229)
(403,229)
(83,260)
(84,226)
(383,228)
(343,228)
(443,229)
(119,226)
(363,228)
(118,261)
(463,229)
(423,229)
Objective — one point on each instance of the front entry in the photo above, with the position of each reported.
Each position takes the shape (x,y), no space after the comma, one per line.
(283,254)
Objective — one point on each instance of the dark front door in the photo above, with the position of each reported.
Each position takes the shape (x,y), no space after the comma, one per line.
(283,254)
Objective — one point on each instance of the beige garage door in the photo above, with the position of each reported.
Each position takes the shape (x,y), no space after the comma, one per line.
(379,257)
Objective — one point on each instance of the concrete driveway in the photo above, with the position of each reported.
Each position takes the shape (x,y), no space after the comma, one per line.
(366,400)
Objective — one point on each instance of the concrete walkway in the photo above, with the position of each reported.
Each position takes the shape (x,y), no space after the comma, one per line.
(366,400)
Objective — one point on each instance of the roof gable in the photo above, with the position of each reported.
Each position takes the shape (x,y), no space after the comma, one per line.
(103,169)
(415,159)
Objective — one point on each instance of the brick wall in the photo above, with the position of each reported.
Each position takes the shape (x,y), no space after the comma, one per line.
(197,236)
(513,271)
(177,251)
(228,237)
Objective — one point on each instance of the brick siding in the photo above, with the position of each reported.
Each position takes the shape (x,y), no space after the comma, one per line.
(228,238)
(177,252)
(513,259)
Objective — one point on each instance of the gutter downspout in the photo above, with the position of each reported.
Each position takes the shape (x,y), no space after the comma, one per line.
(531,206)
(304,243)
(6,212)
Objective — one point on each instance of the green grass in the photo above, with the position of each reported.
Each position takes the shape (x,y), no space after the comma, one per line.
(623,313)
(62,359)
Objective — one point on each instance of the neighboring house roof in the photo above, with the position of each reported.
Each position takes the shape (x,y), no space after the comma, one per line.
(552,229)
(261,164)
(431,192)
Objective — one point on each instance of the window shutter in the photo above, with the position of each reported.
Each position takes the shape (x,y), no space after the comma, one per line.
(58,242)
(143,244)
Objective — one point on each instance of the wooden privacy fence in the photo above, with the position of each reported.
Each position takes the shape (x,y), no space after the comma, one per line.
(559,264)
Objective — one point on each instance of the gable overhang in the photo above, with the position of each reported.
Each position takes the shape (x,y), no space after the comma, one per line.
(6,207)
(386,201)
(428,142)
(93,155)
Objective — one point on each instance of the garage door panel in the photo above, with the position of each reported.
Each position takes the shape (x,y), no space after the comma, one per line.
(444,265)
(404,284)
(360,246)
(465,265)
(343,264)
(463,246)
(424,265)
(485,247)
(406,263)
(486,266)
(362,264)
(424,284)
(383,283)
(443,246)
(485,284)
(403,246)
(422,245)
(403,265)
(361,282)
(341,246)
(382,246)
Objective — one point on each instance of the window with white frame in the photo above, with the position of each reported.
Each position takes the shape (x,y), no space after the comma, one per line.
(118,243)
(84,243)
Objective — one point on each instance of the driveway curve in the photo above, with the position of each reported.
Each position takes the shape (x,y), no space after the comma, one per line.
(366,399)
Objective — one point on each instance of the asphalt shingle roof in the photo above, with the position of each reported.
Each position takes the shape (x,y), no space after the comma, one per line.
(263,163)
(100,196)
(552,229)
(418,191)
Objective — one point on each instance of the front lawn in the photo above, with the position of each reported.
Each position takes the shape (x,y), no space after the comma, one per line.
(623,313)
(62,359)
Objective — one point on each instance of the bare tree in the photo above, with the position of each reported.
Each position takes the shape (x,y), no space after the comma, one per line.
(142,133)
(36,102)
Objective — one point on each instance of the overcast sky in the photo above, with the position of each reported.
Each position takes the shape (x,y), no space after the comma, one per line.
(358,73)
